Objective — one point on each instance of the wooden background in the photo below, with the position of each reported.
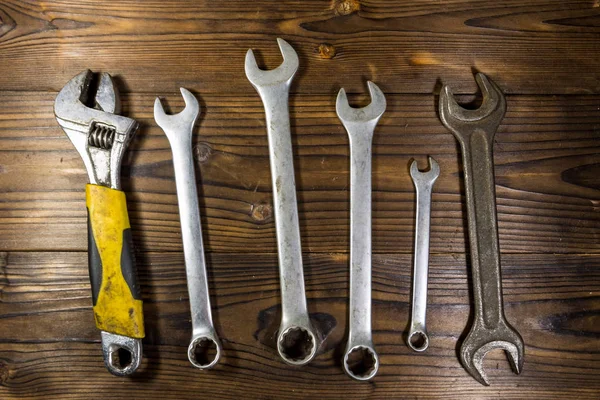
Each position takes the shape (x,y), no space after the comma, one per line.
(545,55)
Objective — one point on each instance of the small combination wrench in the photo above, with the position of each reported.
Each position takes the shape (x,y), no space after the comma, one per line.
(101,137)
(297,341)
(179,130)
(474,130)
(360,359)
(417,338)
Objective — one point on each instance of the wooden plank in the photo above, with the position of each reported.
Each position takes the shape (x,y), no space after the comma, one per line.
(535,46)
(50,348)
(547,156)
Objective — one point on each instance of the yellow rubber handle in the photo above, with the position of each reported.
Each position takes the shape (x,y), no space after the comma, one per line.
(115,293)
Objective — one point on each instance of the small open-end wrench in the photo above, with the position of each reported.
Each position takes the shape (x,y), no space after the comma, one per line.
(417,338)
(360,359)
(474,130)
(101,137)
(179,129)
(297,339)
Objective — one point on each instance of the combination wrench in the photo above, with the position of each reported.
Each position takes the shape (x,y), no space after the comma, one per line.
(360,359)
(297,339)
(179,129)
(475,130)
(417,338)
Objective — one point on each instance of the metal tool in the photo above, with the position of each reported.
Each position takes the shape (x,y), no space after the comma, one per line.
(474,130)
(417,339)
(101,137)
(297,339)
(179,129)
(360,359)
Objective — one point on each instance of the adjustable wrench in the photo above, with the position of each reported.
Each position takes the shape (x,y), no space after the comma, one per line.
(101,137)
(360,359)
(297,339)
(474,130)
(417,336)
(179,130)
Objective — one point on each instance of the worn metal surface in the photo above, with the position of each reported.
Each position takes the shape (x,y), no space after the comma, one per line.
(360,124)
(89,130)
(417,338)
(179,129)
(474,130)
(297,340)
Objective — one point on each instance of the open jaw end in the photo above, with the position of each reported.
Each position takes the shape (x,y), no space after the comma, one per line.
(107,95)
(186,117)
(74,94)
(282,74)
(474,365)
(431,175)
(361,363)
(371,112)
(493,103)
(204,352)
(122,354)
(297,345)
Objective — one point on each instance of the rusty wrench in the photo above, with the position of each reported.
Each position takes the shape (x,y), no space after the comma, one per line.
(474,130)
(417,336)
(297,339)
(360,359)
(179,129)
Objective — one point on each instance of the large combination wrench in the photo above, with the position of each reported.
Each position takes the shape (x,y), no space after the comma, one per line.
(360,359)
(474,130)
(417,339)
(179,129)
(297,339)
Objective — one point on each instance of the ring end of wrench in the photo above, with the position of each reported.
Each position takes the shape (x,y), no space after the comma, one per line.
(418,340)
(361,362)
(122,354)
(297,345)
(204,351)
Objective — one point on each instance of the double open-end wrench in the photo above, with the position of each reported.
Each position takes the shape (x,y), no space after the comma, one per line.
(474,130)
(101,138)
(360,359)
(179,129)
(417,338)
(297,339)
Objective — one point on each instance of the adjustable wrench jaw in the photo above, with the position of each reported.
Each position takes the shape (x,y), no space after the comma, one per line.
(100,136)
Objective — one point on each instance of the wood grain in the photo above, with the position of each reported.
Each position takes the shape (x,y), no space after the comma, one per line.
(528,47)
(50,347)
(547,156)
(542,53)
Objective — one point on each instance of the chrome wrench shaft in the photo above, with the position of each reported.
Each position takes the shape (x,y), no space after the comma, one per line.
(297,339)
(179,129)
(360,360)
(417,338)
